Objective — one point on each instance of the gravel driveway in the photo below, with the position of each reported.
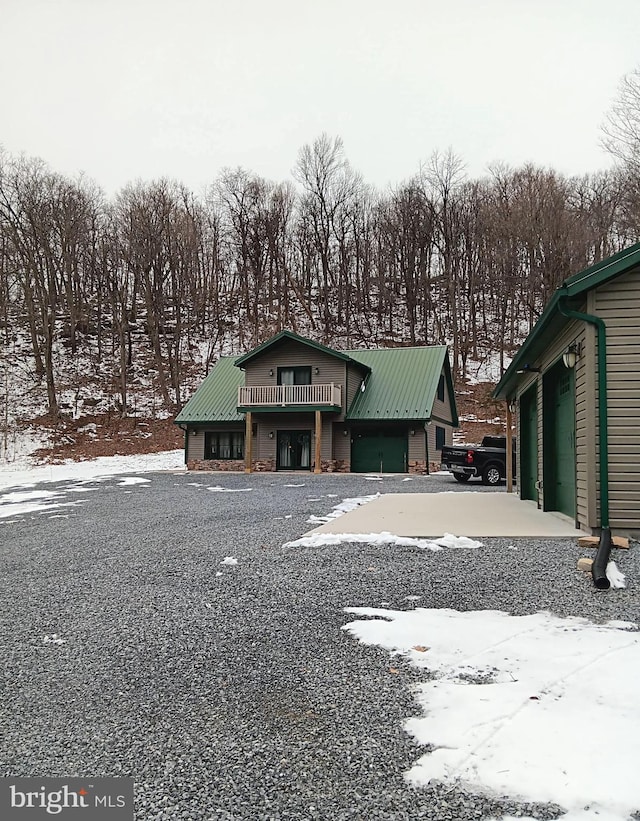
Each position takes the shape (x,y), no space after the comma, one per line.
(230,691)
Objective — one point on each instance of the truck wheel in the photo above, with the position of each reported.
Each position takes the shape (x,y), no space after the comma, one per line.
(461,477)
(491,475)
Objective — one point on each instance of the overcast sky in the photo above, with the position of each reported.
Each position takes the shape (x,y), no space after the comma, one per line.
(128,89)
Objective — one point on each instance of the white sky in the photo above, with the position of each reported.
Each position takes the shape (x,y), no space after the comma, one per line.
(127,89)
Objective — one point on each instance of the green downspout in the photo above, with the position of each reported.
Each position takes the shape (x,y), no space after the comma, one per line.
(601,333)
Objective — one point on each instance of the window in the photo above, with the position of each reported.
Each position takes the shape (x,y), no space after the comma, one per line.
(440,437)
(441,388)
(295,376)
(224,444)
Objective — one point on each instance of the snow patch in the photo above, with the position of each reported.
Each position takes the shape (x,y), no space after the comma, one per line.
(54,638)
(345,506)
(385,538)
(91,469)
(219,489)
(496,679)
(616,577)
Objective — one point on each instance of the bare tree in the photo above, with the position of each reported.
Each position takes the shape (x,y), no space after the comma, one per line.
(621,128)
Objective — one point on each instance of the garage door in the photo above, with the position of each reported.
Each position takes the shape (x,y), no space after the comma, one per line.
(380,451)
(560,441)
(529,445)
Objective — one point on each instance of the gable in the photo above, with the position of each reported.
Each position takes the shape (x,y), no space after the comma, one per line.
(285,338)
(402,384)
(572,293)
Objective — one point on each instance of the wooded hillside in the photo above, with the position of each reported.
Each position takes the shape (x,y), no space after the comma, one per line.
(157,282)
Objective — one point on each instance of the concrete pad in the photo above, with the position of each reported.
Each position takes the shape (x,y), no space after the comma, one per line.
(462,513)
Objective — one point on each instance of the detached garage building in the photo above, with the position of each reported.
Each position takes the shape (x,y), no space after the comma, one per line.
(293,404)
(576,385)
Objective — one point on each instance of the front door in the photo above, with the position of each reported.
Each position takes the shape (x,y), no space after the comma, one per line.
(294,450)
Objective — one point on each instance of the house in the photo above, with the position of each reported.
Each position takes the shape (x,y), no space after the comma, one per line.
(575,383)
(294,404)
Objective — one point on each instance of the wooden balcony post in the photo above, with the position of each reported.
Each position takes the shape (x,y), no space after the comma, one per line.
(248,442)
(318,467)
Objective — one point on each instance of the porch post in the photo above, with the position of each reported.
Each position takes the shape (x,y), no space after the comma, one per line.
(248,442)
(509,454)
(318,467)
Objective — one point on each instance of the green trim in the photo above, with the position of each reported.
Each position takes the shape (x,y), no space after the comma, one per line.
(289,335)
(443,421)
(452,395)
(601,333)
(207,424)
(504,388)
(292,409)
(407,422)
(603,271)
(575,286)
(426,451)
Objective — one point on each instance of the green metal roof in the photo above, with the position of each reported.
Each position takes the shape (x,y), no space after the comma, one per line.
(241,361)
(551,320)
(216,399)
(402,383)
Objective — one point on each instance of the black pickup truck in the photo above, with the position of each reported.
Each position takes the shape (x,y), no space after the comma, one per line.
(488,460)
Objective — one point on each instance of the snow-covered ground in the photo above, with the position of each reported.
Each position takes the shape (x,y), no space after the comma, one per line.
(21,472)
(538,708)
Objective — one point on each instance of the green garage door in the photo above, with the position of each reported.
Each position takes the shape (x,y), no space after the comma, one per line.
(529,445)
(560,441)
(379,451)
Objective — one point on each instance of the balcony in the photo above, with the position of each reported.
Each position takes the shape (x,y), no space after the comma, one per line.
(290,397)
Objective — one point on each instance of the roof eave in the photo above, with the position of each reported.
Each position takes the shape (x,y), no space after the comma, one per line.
(573,286)
(241,361)
(503,388)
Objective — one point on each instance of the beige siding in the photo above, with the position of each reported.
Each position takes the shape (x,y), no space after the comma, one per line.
(585,450)
(618,303)
(417,444)
(341,443)
(293,354)
(441,411)
(195,447)
(436,455)
(354,381)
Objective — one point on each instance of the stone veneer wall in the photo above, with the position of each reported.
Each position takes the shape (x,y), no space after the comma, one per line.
(335,466)
(216,464)
(260,465)
(419,466)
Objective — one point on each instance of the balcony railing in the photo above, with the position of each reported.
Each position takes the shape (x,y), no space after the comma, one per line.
(285,395)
